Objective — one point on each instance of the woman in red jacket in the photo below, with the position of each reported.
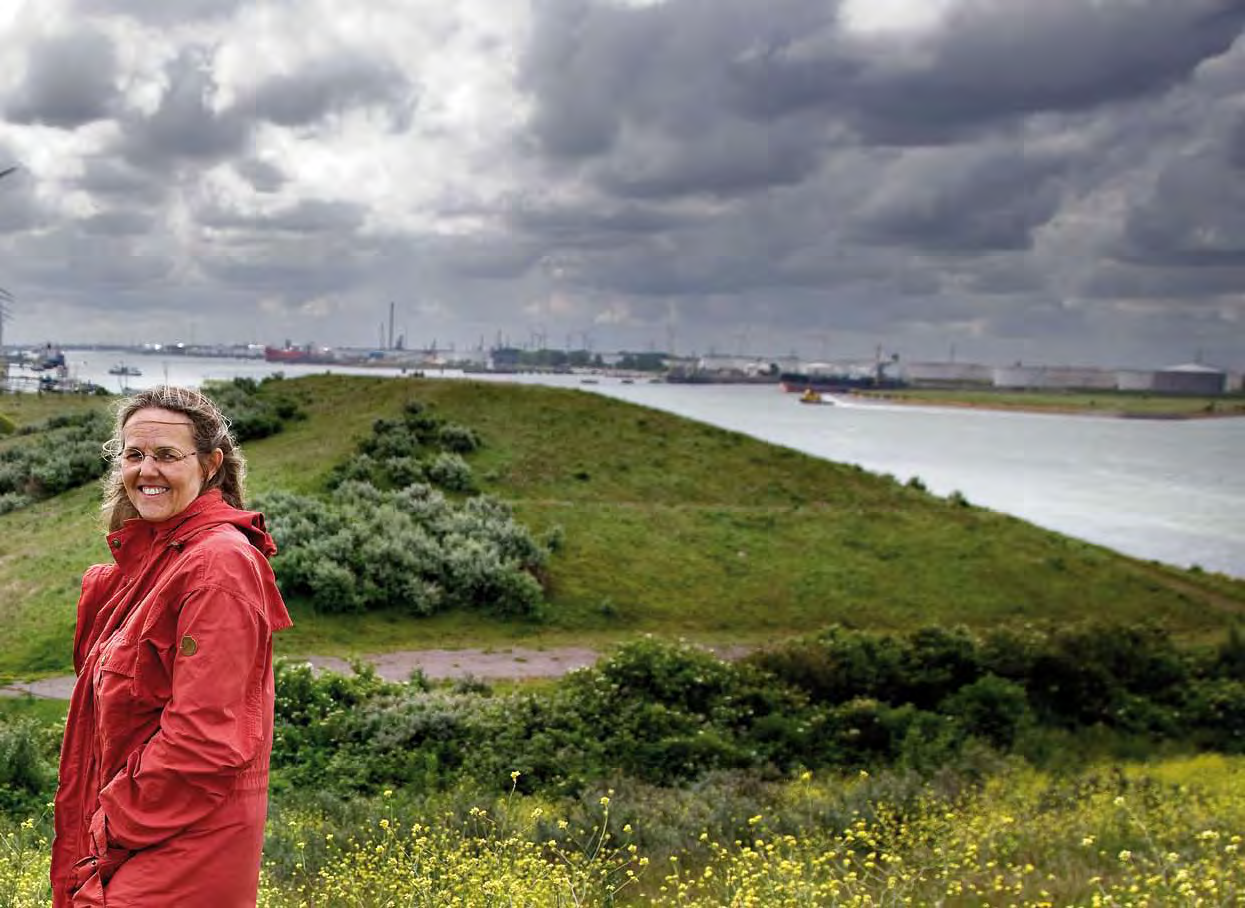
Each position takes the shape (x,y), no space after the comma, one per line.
(164,767)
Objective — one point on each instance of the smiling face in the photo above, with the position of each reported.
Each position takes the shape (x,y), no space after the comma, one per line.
(160,490)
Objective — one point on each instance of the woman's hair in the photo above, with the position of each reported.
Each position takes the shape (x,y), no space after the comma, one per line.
(211,431)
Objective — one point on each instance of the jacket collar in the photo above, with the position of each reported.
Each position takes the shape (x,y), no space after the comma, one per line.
(137,537)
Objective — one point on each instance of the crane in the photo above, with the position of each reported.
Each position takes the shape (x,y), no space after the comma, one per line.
(5,297)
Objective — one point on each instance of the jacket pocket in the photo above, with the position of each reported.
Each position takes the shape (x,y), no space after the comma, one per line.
(115,692)
(153,673)
(89,889)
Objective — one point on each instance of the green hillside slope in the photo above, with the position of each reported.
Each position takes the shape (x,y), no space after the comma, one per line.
(669,526)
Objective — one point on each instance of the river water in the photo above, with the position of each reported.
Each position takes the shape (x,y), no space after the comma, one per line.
(1171,491)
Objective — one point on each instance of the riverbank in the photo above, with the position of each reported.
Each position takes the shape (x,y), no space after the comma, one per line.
(1110,405)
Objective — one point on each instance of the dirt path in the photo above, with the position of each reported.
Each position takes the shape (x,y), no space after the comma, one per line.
(436,664)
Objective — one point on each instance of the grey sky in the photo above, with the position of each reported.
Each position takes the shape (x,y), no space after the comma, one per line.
(1055,182)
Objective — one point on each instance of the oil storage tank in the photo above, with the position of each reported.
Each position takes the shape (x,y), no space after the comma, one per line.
(1191,378)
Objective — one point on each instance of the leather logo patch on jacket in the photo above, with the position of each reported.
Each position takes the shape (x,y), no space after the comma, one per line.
(189,646)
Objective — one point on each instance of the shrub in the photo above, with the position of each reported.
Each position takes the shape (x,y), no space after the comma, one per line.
(416,448)
(12,501)
(936,663)
(27,776)
(63,452)
(670,714)
(254,408)
(674,711)
(310,714)
(450,472)
(413,549)
(1230,657)
(1214,712)
(991,708)
(1089,673)
(839,665)
(458,439)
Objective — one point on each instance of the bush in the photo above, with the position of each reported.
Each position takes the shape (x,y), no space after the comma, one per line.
(991,708)
(417,448)
(12,501)
(1230,657)
(458,439)
(936,663)
(450,472)
(840,665)
(1214,713)
(670,714)
(253,408)
(411,549)
(64,452)
(311,710)
(27,776)
(1090,673)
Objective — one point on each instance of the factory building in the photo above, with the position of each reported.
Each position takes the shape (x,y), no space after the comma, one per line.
(933,375)
(1019,376)
(1134,379)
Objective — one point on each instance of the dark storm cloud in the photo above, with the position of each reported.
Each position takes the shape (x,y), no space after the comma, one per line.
(979,172)
(308,249)
(1235,145)
(162,12)
(99,263)
(185,129)
(114,180)
(990,62)
(963,201)
(604,224)
(1206,285)
(697,97)
(286,264)
(263,176)
(727,158)
(69,81)
(332,86)
(1193,214)
(1040,318)
(1003,275)
(645,90)
(119,222)
(483,257)
(1195,217)
(309,216)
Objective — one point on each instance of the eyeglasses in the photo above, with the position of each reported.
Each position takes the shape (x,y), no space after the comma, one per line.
(133,457)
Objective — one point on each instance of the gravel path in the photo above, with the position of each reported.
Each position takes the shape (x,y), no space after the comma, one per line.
(437,664)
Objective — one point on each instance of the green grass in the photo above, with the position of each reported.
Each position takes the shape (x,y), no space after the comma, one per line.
(671,527)
(45,711)
(29,409)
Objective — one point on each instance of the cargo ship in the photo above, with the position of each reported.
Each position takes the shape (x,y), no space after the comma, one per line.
(836,382)
(305,354)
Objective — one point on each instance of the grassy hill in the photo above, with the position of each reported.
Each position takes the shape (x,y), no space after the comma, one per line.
(671,527)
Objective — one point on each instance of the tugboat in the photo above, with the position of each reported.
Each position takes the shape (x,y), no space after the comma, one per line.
(813,397)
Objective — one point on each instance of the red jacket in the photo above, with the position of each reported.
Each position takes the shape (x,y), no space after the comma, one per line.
(164,767)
